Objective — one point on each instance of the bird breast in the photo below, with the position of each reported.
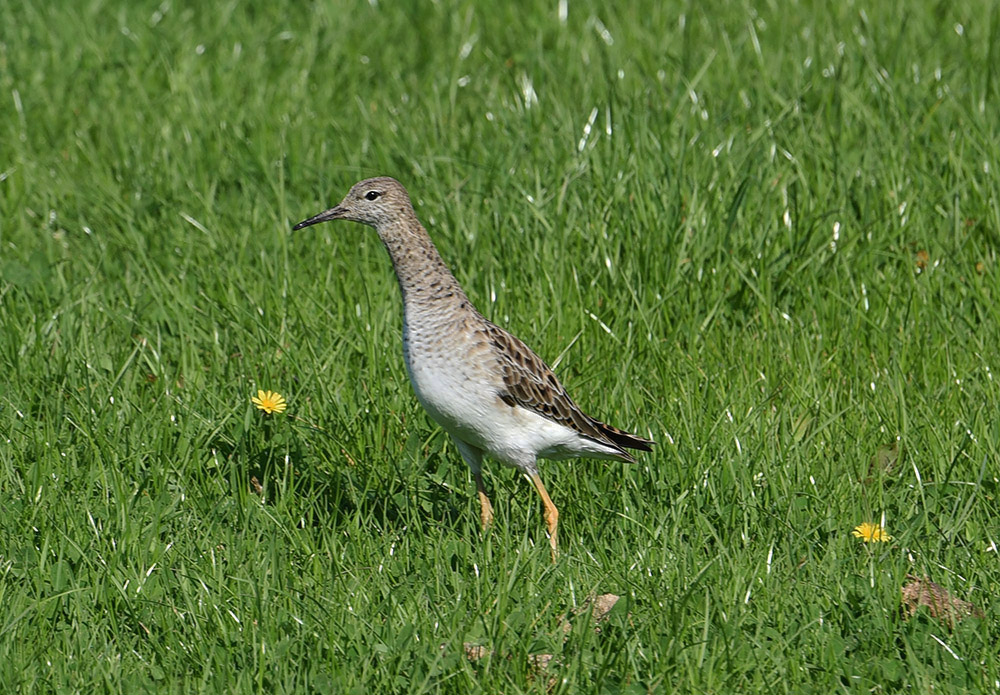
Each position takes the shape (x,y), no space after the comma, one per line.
(451,371)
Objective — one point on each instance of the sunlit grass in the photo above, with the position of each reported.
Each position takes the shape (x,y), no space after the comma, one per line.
(765,237)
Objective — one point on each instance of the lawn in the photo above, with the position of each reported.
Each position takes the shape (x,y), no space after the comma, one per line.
(765,236)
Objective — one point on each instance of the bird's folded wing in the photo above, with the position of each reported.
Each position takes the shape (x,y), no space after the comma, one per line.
(530,384)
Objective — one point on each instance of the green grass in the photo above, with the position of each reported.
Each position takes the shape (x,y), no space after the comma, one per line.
(649,193)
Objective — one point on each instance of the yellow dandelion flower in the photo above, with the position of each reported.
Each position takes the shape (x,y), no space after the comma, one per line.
(871,533)
(270,402)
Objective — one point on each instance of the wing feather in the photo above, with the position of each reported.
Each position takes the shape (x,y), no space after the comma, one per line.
(530,384)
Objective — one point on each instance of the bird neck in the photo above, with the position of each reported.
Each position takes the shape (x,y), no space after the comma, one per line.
(424,279)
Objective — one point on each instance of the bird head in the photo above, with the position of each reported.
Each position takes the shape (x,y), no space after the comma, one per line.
(376,202)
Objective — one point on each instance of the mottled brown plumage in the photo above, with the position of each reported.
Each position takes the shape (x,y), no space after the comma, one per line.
(531,384)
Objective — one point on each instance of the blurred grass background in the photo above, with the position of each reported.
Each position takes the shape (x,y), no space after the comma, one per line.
(764,234)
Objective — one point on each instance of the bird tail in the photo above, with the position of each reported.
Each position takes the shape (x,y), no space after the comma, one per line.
(623,439)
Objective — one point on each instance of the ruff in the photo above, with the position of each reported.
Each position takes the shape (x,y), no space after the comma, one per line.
(484,386)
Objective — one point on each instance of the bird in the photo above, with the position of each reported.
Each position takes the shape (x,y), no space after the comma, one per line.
(487,389)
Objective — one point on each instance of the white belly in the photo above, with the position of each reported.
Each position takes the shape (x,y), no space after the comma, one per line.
(454,385)
(459,387)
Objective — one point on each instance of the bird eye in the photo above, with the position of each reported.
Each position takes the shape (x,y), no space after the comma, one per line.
(372,195)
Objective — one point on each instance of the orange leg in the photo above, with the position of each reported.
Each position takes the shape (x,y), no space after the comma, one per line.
(551,515)
(485,508)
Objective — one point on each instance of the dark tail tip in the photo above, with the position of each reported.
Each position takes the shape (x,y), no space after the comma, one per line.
(624,439)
